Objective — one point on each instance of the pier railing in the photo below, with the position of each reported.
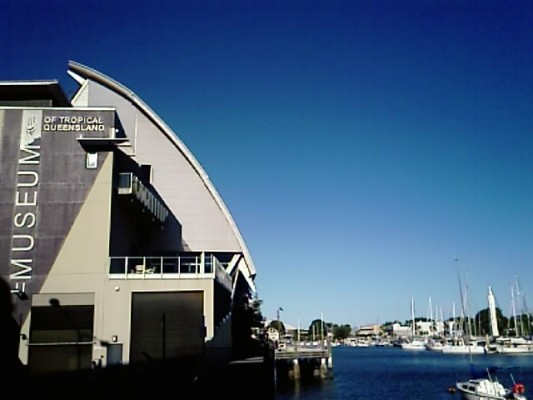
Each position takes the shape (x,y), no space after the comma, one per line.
(296,362)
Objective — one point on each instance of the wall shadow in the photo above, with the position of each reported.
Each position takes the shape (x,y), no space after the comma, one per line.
(14,371)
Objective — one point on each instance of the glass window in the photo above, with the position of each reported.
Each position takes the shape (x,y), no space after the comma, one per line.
(91,161)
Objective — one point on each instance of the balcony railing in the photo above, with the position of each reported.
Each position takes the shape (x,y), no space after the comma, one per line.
(131,185)
(183,266)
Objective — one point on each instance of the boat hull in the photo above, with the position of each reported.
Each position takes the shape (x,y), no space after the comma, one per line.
(485,389)
(463,350)
(475,396)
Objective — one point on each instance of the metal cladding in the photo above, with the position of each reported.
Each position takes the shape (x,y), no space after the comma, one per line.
(44,186)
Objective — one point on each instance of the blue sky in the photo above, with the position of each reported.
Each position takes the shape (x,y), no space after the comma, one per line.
(359,145)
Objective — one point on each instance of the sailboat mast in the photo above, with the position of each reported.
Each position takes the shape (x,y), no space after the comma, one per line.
(523,311)
(516,328)
(469,322)
(463,311)
(413,317)
(454,317)
(430,316)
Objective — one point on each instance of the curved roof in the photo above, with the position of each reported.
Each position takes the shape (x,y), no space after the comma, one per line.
(91,74)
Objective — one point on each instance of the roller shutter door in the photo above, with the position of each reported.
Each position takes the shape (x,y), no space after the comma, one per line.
(166,325)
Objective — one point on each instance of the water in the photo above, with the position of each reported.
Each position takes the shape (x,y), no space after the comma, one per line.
(396,374)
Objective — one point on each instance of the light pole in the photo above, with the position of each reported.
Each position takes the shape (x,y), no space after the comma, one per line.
(279,325)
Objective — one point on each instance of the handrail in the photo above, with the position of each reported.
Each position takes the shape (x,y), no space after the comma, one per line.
(158,265)
(198,265)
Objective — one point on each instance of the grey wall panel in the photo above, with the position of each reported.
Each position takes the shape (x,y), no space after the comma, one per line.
(154,142)
(98,96)
(65,180)
(185,192)
(9,140)
(204,224)
(51,184)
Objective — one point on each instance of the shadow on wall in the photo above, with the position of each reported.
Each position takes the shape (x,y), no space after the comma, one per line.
(139,381)
(9,336)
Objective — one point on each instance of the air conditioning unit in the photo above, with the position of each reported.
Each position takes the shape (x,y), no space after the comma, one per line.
(125,183)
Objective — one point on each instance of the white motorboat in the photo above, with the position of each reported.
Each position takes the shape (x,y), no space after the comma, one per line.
(488,387)
(435,345)
(513,345)
(464,348)
(414,344)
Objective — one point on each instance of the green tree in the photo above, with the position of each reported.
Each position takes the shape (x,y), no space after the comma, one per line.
(482,321)
(390,323)
(247,320)
(524,322)
(278,325)
(319,328)
(341,331)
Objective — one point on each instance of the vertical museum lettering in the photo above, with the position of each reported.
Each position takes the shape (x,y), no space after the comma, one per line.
(25,214)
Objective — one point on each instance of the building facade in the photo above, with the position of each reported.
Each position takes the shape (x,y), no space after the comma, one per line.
(116,245)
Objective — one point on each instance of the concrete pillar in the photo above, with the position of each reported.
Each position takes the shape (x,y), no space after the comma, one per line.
(289,369)
(269,365)
(316,369)
(323,369)
(296,369)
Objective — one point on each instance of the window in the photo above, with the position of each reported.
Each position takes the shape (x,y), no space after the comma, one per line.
(91,160)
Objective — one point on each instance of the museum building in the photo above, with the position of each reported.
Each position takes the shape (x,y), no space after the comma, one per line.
(116,245)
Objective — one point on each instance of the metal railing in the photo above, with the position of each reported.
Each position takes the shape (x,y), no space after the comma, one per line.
(150,267)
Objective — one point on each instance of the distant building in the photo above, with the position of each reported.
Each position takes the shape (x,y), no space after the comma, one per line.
(368,331)
(423,328)
(400,331)
(439,327)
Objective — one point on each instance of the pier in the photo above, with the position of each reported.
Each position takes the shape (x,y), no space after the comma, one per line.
(304,363)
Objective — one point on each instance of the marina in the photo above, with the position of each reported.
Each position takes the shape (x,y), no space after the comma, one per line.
(389,372)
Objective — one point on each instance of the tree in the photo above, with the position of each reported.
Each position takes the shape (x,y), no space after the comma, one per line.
(341,331)
(524,322)
(482,320)
(319,328)
(278,325)
(246,320)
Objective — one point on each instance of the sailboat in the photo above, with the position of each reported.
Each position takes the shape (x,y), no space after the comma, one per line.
(486,386)
(517,344)
(415,343)
(464,344)
(460,346)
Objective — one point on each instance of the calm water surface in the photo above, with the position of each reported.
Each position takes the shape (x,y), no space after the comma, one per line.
(393,373)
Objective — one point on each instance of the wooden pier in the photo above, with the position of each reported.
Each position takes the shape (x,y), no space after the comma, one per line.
(304,363)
